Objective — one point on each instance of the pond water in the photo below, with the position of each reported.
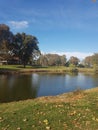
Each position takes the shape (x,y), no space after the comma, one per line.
(28,86)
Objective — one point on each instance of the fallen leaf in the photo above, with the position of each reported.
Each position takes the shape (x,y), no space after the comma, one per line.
(1,118)
(46,121)
(48,128)
(72,113)
(25,120)
(97,119)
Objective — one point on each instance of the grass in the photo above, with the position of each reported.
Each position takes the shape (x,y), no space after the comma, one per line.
(72,111)
(13,67)
(57,69)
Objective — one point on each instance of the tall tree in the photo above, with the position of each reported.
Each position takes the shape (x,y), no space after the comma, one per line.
(6,39)
(20,45)
(25,45)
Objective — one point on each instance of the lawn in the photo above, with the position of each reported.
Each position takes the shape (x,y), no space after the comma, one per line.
(72,111)
(52,69)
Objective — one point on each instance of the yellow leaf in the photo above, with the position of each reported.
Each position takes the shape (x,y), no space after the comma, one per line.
(48,128)
(46,121)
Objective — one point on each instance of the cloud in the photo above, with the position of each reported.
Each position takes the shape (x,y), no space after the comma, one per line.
(80,55)
(19,24)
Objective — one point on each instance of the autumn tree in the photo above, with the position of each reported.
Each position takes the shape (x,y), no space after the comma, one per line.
(88,61)
(52,60)
(43,60)
(95,59)
(91,61)
(74,60)
(6,39)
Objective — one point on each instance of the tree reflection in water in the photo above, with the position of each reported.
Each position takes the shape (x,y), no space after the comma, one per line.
(27,86)
(18,87)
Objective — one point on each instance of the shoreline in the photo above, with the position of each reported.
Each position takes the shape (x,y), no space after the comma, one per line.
(44,70)
(77,110)
(60,98)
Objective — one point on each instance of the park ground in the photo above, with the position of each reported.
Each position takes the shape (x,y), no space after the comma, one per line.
(52,69)
(73,111)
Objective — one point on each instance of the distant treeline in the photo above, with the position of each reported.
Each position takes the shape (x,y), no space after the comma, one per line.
(61,60)
(23,49)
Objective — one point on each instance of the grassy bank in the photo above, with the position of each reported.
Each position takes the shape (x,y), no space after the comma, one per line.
(72,111)
(53,69)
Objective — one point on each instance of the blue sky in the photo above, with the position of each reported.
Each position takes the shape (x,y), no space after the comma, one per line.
(62,26)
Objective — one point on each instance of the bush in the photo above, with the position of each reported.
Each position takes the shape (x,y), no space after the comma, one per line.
(73,68)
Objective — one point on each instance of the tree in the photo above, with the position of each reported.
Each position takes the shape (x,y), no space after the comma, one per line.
(63,60)
(88,61)
(24,46)
(6,39)
(52,60)
(95,59)
(91,61)
(43,60)
(74,60)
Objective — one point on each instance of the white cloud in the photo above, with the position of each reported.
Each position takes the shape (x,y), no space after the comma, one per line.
(80,55)
(19,24)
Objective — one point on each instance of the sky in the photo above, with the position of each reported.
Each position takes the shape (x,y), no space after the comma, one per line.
(67,27)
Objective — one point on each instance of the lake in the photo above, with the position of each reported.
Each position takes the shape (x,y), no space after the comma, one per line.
(27,86)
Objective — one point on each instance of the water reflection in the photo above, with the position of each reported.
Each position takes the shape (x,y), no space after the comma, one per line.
(17,87)
(21,87)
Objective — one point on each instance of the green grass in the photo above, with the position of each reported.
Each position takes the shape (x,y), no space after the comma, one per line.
(54,69)
(39,114)
(13,67)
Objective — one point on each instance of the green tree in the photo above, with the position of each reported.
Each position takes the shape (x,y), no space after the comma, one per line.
(24,47)
(19,45)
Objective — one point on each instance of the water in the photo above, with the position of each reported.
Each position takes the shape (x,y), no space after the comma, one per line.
(28,86)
